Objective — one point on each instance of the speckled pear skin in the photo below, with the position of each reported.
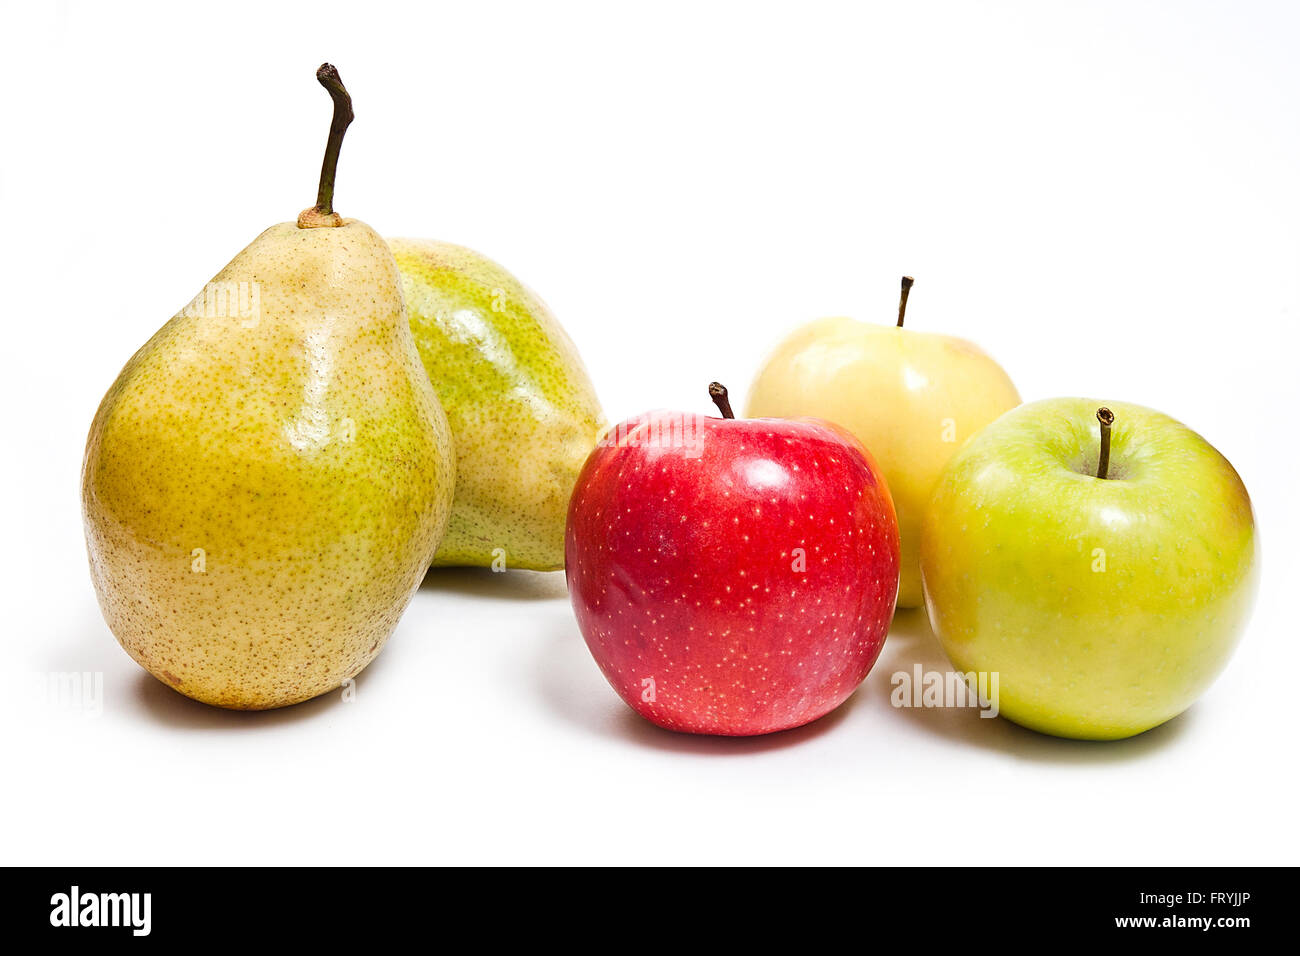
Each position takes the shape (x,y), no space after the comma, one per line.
(523,412)
(262,493)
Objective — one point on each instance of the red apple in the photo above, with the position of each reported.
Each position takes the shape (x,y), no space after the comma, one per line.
(732,576)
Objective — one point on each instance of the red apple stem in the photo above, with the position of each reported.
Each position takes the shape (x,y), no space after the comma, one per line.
(1107,418)
(323,214)
(902,299)
(718,393)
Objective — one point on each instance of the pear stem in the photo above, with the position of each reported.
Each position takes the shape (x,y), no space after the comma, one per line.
(902,299)
(718,393)
(323,214)
(1107,418)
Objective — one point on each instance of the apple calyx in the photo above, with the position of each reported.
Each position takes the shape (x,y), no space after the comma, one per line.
(322,214)
(902,299)
(718,392)
(1107,418)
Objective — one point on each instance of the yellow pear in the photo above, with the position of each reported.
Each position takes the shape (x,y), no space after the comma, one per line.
(267,480)
(524,415)
(912,398)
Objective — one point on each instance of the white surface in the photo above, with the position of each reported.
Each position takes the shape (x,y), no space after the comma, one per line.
(1104,196)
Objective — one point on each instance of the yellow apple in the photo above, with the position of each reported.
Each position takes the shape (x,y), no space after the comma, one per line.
(911,397)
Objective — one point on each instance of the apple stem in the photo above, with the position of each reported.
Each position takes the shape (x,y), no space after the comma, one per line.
(323,214)
(718,393)
(1107,418)
(902,299)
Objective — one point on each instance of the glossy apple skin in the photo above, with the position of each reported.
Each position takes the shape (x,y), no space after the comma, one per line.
(1106,606)
(683,570)
(912,397)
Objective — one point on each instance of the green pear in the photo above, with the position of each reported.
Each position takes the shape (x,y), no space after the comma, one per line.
(524,415)
(267,480)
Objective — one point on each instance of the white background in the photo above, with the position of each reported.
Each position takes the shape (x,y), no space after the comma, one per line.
(1104,196)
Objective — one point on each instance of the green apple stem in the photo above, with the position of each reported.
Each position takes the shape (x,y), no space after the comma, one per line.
(323,214)
(902,299)
(1107,418)
(718,393)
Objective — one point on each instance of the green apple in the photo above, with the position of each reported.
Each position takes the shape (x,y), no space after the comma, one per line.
(1106,605)
(911,397)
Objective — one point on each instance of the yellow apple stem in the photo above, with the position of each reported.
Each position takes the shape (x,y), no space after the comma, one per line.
(1107,418)
(718,393)
(902,299)
(323,214)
